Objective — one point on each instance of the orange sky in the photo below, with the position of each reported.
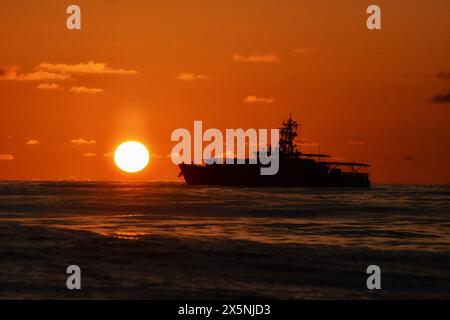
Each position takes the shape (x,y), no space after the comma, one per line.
(159,65)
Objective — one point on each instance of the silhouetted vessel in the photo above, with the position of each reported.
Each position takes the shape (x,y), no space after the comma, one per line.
(296,169)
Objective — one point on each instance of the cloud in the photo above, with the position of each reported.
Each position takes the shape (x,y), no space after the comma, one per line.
(32,142)
(265,58)
(355,142)
(255,99)
(190,76)
(41,75)
(10,73)
(108,154)
(59,71)
(89,155)
(6,157)
(90,67)
(441,98)
(86,90)
(81,141)
(48,86)
(443,75)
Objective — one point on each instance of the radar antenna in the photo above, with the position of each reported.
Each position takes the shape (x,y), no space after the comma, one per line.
(288,133)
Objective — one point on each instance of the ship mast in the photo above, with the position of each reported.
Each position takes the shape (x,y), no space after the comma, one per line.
(288,133)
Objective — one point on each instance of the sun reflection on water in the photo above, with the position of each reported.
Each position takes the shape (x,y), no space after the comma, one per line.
(306,231)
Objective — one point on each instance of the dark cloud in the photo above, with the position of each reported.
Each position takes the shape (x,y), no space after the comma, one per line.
(441,98)
(443,75)
(7,73)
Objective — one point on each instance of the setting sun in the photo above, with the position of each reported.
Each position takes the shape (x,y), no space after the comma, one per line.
(131,156)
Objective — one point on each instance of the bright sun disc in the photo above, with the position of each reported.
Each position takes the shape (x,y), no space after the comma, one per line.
(131,156)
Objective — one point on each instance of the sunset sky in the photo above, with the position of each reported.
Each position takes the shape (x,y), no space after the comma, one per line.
(137,70)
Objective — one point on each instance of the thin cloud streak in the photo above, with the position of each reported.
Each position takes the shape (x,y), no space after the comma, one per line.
(264,58)
(81,141)
(190,76)
(89,155)
(255,99)
(86,90)
(90,67)
(6,157)
(32,142)
(10,73)
(441,98)
(48,86)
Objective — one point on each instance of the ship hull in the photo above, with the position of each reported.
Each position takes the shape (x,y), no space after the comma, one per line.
(291,174)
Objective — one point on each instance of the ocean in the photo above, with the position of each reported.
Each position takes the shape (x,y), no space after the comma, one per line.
(287,243)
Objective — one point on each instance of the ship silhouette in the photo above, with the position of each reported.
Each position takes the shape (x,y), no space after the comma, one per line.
(296,169)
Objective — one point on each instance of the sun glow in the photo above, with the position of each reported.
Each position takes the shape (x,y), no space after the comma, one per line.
(131,156)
